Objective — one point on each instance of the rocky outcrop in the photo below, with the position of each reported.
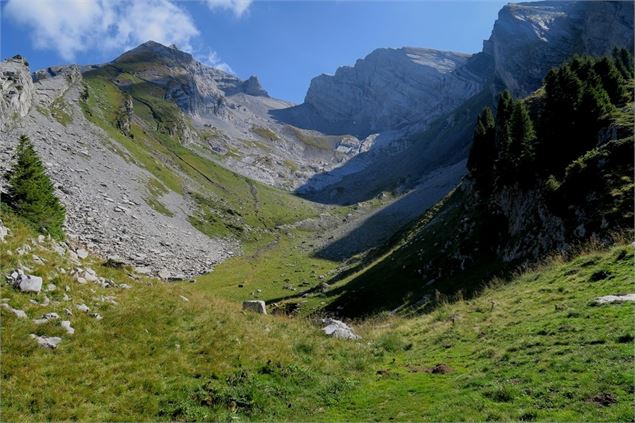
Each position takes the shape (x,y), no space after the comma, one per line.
(16,89)
(51,83)
(196,88)
(125,117)
(388,89)
(528,39)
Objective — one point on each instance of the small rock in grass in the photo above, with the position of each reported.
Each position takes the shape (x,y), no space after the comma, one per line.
(338,329)
(24,282)
(257,306)
(47,341)
(82,307)
(81,253)
(20,314)
(184,298)
(66,324)
(614,299)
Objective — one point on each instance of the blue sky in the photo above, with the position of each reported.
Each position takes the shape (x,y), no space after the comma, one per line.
(284,43)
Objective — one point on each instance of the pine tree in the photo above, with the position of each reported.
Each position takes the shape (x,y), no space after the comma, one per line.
(31,194)
(523,139)
(624,62)
(503,115)
(612,80)
(483,153)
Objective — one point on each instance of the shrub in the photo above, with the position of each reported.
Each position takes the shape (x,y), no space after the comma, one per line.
(31,194)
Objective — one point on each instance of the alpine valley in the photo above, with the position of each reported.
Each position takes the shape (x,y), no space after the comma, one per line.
(430,235)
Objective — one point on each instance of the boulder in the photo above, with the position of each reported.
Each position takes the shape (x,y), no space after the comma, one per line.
(24,282)
(81,253)
(47,341)
(338,329)
(612,299)
(257,306)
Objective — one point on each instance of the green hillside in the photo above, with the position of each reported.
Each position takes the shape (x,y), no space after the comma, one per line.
(530,349)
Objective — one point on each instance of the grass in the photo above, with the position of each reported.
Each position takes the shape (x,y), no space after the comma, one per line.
(321,142)
(155,190)
(265,133)
(530,349)
(58,111)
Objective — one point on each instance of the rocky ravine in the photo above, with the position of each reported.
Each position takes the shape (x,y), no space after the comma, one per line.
(102,192)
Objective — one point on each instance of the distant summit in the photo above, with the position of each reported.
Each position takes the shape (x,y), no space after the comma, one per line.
(151,51)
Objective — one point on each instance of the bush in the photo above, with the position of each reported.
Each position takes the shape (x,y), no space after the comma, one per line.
(31,194)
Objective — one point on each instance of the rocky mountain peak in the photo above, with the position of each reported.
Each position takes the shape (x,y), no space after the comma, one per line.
(252,86)
(151,51)
(528,39)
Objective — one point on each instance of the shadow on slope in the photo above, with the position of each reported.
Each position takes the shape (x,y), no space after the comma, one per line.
(401,163)
(383,223)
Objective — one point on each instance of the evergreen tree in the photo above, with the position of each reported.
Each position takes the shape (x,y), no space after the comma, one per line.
(624,62)
(523,136)
(483,153)
(503,115)
(31,193)
(612,80)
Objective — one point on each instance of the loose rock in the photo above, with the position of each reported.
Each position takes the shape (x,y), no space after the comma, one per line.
(47,341)
(614,299)
(24,282)
(257,306)
(338,329)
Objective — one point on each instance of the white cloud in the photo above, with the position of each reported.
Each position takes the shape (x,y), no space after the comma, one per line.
(239,7)
(76,26)
(212,59)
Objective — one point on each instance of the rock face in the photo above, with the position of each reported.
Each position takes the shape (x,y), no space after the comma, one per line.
(528,39)
(16,91)
(387,89)
(256,306)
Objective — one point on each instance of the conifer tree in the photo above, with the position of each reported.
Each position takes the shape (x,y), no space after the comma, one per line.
(31,194)
(483,153)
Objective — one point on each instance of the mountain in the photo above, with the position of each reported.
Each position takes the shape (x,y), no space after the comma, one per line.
(231,117)
(387,89)
(527,40)
(549,173)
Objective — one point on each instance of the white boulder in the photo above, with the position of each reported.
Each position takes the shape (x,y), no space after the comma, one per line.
(338,329)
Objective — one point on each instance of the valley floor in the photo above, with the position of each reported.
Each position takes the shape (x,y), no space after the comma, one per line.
(532,348)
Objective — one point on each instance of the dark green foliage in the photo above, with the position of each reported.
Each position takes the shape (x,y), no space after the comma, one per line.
(579,99)
(31,194)
(483,154)
(624,62)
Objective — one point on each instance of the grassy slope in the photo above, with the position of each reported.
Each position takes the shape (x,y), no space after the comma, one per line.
(530,349)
